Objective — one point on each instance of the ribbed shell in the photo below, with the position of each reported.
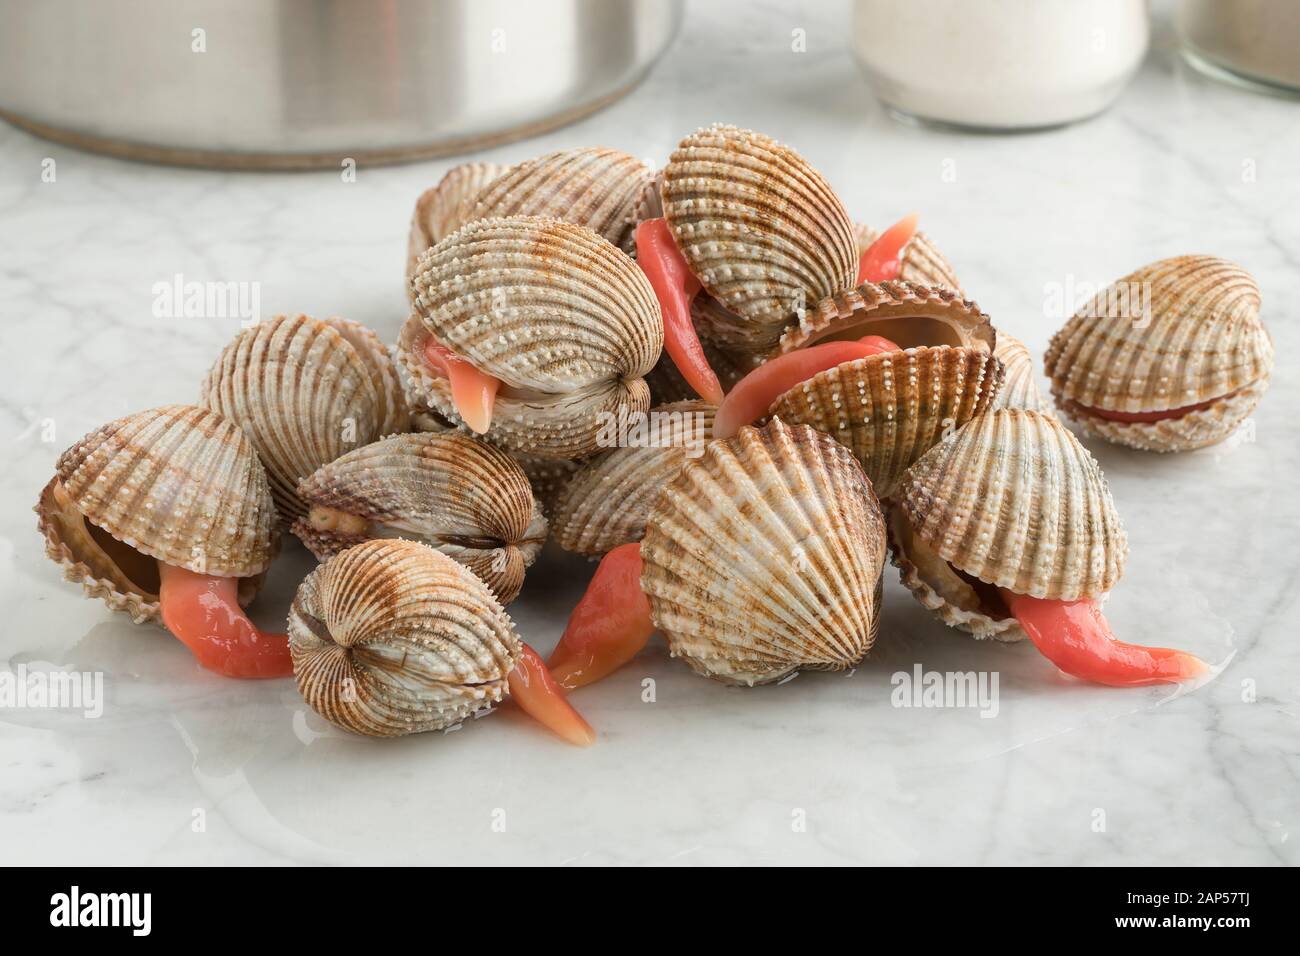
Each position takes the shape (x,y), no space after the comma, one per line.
(909,315)
(1013,499)
(764,557)
(178,484)
(1199,338)
(609,499)
(593,187)
(304,394)
(392,638)
(394,412)
(921,263)
(759,227)
(890,409)
(565,320)
(444,208)
(454,493)
(1019,388)
(939,588)
(548,477)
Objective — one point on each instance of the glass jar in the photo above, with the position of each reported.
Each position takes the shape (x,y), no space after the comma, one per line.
(999,64)
(1253,42)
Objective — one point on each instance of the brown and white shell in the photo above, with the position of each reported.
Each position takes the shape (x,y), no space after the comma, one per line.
(1180,332)
(1011,500)
(764,557)
(177,484)
(305,391)
(606,503)
(444,208)
(564,319)
(760,228)
(889,409)
(452,492)
(1019,387)
(590,186)
(391,637)
(920,263)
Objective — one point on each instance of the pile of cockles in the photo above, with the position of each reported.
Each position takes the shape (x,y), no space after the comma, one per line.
(828,395)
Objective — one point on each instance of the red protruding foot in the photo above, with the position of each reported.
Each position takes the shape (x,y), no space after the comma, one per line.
(609,626)
(881,260)
(1075,637)
(675,287)
(473,392)
(536,691)
(203,611)
(754,394)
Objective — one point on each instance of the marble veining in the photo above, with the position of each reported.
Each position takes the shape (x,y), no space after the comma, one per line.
(185,767)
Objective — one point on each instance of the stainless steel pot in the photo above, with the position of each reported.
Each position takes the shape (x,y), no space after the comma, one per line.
(301,83)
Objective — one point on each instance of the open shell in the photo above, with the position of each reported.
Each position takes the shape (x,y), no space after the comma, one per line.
(305,391)
(454,493)
(590,186)
(1019,387)
(565,320)
(764,557)
(921,261)
(889,409)
(1179,332)
(392,637)
(1011,499)
(606,503)
(760,228)
(444,208)
(177,484)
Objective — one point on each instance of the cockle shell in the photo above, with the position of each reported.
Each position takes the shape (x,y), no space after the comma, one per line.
(1011,499)
(391,637)
(607,502)
(593,187)
(1179,332)
(548,477)
(565,320)
(921,261)
(1019,388)
(889,409)
(177,484)
(305,391)
(444,208)
(760,228)
(764,557)
(454,493)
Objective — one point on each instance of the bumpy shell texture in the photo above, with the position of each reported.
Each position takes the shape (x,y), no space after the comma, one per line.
(304,394)
(759,227)
(909,315)
(607,501)
(890,409)
(1019,389)
(1014,500)
(764,557)
(461,496)
(444,208)
(392,638)
(565,320)
(593,187)
(921,261)
(1179,332)
(178,484)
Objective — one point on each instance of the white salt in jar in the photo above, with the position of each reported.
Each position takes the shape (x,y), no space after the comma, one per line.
(999,64)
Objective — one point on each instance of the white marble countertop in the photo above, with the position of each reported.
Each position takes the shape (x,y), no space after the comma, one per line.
(820,769)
